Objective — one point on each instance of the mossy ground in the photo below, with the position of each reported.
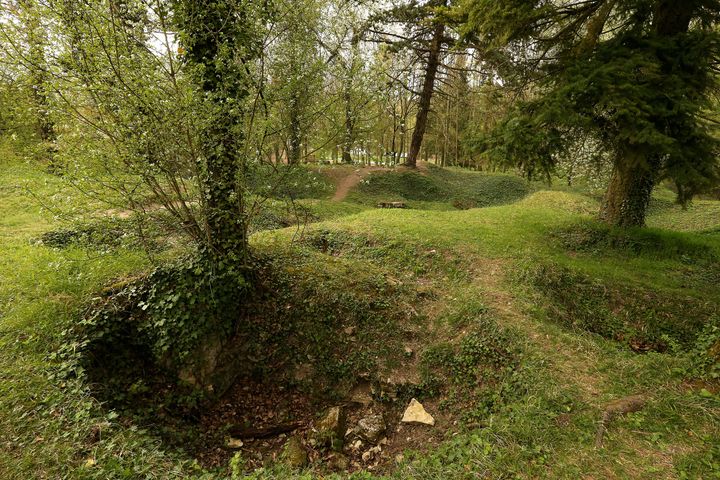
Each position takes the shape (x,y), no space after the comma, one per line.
(560,337)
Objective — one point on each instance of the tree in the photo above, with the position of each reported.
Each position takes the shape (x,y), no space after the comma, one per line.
(219,39)
(296,70)
(431,70)
(29,42)
(636,76)
(427,37)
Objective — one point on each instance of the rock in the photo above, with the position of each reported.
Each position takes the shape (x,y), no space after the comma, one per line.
(339,462)
(294,453)
(370,454)
(415,413)
(391,205)
(400,381)
(234,443)
(361,394)
(330,430)
(371,428)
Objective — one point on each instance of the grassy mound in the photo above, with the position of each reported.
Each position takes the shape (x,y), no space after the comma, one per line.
(428,292)
(667,313)
(458,189)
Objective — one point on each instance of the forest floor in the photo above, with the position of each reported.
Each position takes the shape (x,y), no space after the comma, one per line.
(513,316)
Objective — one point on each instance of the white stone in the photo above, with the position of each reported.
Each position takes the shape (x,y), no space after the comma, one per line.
(415,413)
(234,443)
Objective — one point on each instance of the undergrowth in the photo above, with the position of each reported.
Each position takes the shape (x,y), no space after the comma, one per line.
(645,319)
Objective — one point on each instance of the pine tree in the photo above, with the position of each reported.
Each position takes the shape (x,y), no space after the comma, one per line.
(636,76)
(427,36)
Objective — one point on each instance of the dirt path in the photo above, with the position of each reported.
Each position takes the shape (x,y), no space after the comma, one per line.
(574,360)
(347,183)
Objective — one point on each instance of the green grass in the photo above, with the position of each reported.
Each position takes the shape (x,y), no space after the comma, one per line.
(440,189)
(541,423)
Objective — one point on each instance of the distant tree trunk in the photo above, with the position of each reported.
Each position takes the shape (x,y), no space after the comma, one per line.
(426,95)
(36,39)
(277,152)
(295,134)
(349,127)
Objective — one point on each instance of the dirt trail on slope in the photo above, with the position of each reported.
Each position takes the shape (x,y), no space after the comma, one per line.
(574,360)
(347,183)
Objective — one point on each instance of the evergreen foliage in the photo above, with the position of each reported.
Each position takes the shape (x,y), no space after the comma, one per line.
(635,76)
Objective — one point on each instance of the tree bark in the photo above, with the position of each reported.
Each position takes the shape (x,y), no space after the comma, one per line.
(631,185)
(349,139)
(426,95)
(36,39)
(210,35)
(295,134)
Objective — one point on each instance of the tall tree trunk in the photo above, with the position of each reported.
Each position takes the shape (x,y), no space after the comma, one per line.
(426,95)
(631,185)
(210,36)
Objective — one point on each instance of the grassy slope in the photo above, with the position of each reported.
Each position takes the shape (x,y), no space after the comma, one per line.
(45,425)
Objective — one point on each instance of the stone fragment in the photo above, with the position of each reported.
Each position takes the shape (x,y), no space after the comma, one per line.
(330,430)
(234,443)
(294,453)
(371,428)
(415,413)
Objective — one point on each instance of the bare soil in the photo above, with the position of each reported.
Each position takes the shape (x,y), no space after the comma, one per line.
(260,405)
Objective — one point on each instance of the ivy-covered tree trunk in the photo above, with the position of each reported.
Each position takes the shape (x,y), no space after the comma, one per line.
(37,39)
(218,38)
(426,95)
(294,147)
(631,185)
